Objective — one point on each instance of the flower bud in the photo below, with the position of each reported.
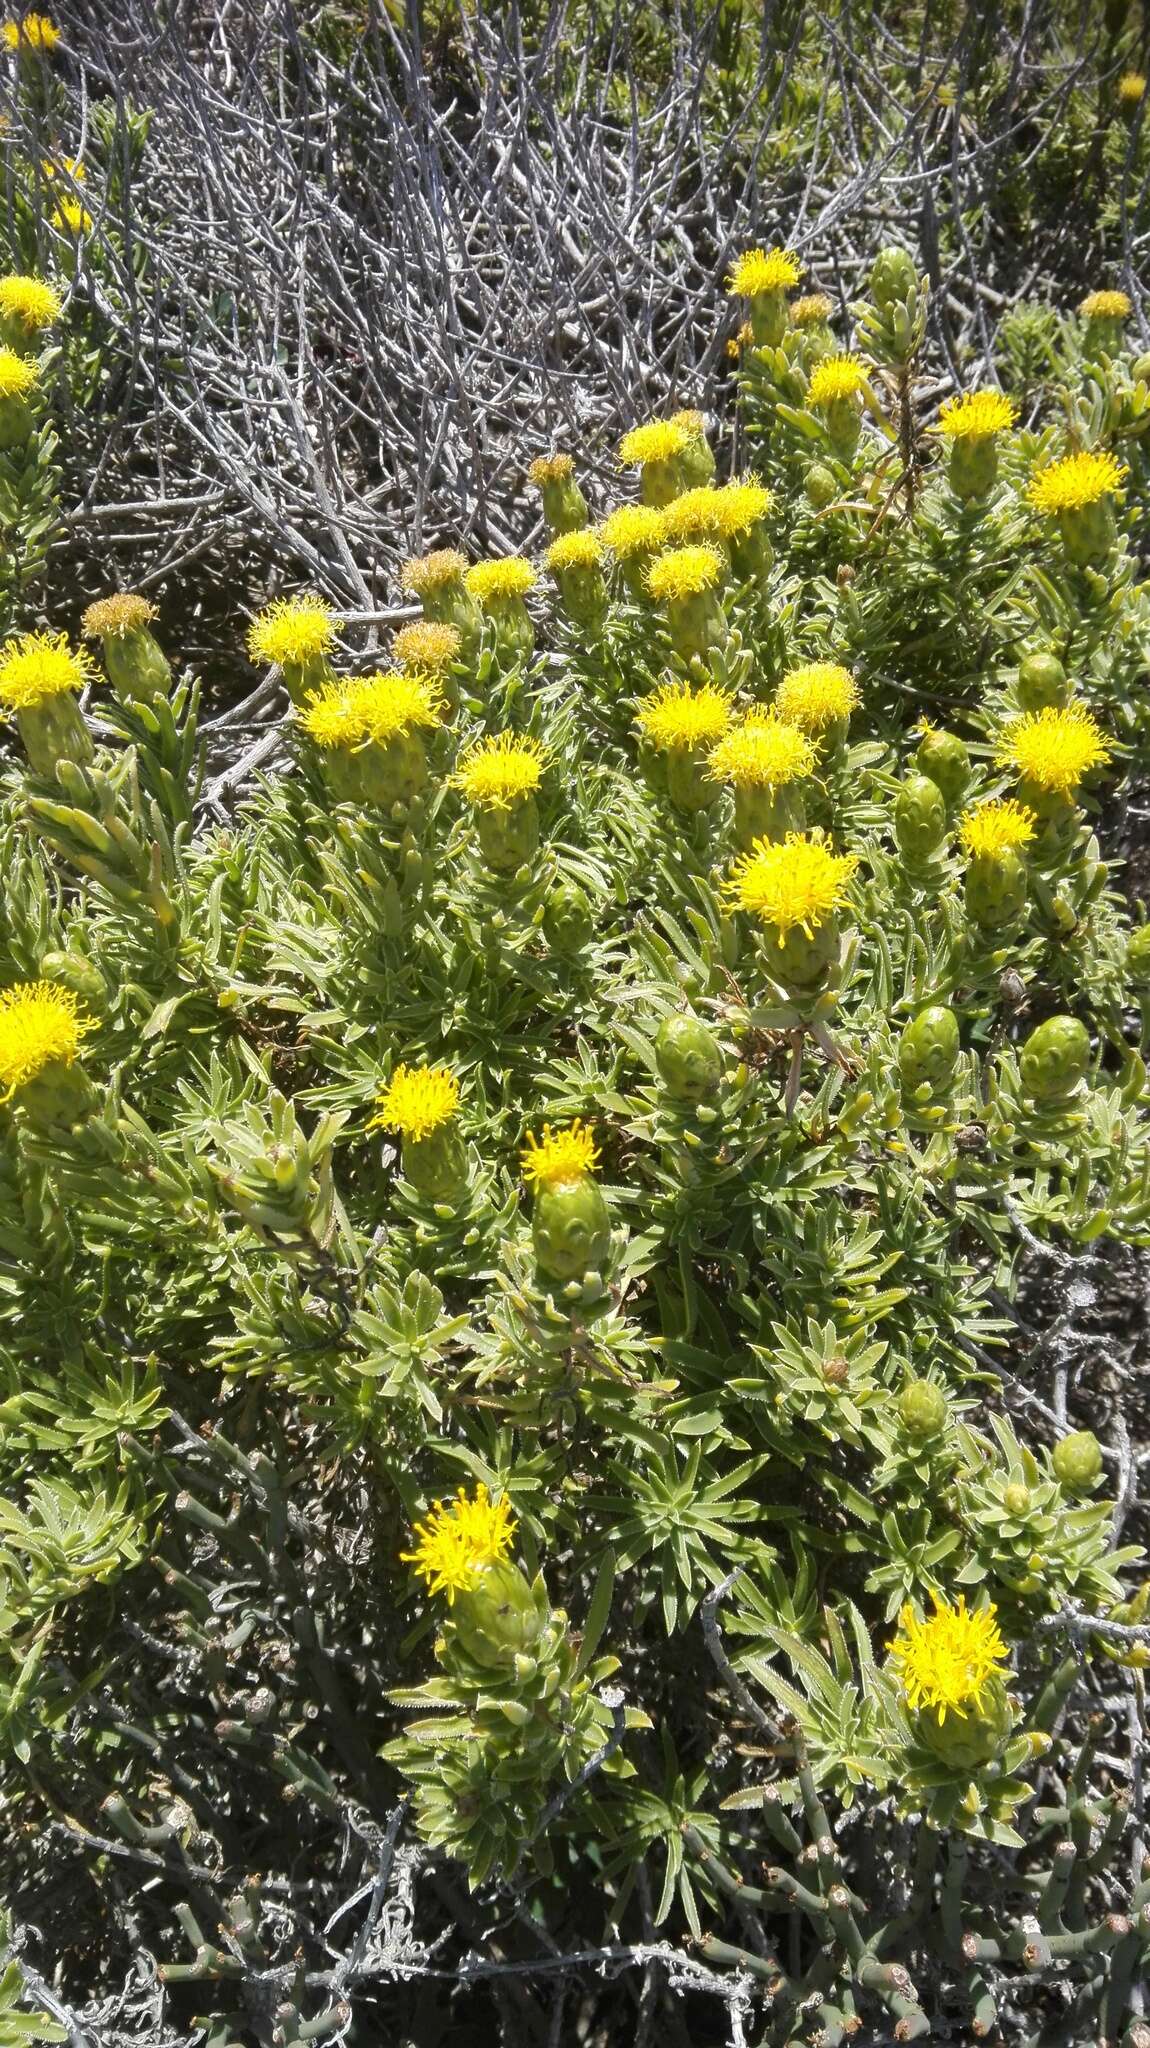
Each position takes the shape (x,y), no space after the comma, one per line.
(1138,954)
(53,731)
(972,1735)
(929,1048)
(922,1408)
(1077,1461)
(1042,681)
(972,468)
(81,975)
(564,506)
(436,1165)
(1055,1059)
(919,817)
(391,771)
(571,1229)
(942,756)
(499,1618)
(136,665)
(820,485)
(1016,1499)
(799,963)
(893,277)
(688,1058)
(568,921)
(996,889)
(509,838)
(1089,531)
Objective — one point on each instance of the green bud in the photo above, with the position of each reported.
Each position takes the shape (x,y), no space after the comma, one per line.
(943,757)
(770,317)
(568,920)
(798,963)
(60,1096)
(969,1736)
(53,731)
(893,277)
(391,771)
(697,623)
(16,421)
(571,1229)
(137,665)
(659,482)
(497,1620)
(1089,531)
(688,1058)
(437,1165)
(820,485)
(697,461)
(514,632)
(1055,1059)
(77,972)
(584,595)
(972,468)
(1042,681)
(509,839)
(768,813)
(996,889)
(1138,954)
(919,817)
(686,778)
(843,421)
(1077,1461)
(564,507)
(929,1048)
(922,1408)
(1016,1499)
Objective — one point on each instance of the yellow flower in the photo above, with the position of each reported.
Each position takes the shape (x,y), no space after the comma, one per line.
(762,752)
(837,377)
(675,715)
(816,696)
(111,617)
(41,665)
(1075,481)
(634,530)
(432,572)
(63,167)
(427,647)
(417,1101)
(975,415)
(551,469)
(17,375)
(40,1026)
(742,504)
(793,884)
(560,1157)
(30,301)
(71,218)
(947,1662)
(1000,825)
(1106,306)
(657,441)
(332,718)
(1131,88)
(813,311)
(763,270)
(389,703)
(685,572)
(499,771)
(34,32)
(582,549)
(511,576)
(714,513)
(292,630)
(1054,748)
(459,1540)
(692,423)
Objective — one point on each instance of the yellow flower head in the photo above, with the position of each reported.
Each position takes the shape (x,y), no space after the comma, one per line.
(694,515)
(491,582)
(40,665)
(389,703)
(30,301)
(634,530)
(110,618)
(291,631)
(742,504)
(692,423)
(433,572)
(70,217)
(40,1026)
(331,717)
(793,884)
(837,377)
(675,715)
(657,441)
(1000,825)
(946,1663)
(1131,88)
(1054,748)
(17,375)
(560,1157)
(500,771)
(763,270)
(762,752)
(551,469)
(816,696)
(975,415)
(582,549)
(417,1101)
(459,1540)
(813,311)
(685,572)
(33,32)
(426,647)
(63,167)
(1075,481)
(1106,306)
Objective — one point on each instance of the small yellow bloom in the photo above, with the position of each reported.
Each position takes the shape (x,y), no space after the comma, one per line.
(33,32)
(510,576)
(692,422)
(18,376)
(816,696)
(63,167)
(813,311)
(30,301)
(1000,825)
(694,515)
(1106,306)
(458,1541)
(292,630)
(634,530)
(112,617)
(763,270)
(1075,481)
(837,377)
(685,572)
(71,218)
(582,549)
(560,1157)
(41,665)
(975,415)
(500,770)
(389,703)
(657,441)
(551,469)
(427,647)
(432,572)
(1054,748)
(793,884)
(1131,88)
(947,1662)
(742,504)
(417,1101)
(762,752)
(40,1026)
(675,715)
(332,718)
